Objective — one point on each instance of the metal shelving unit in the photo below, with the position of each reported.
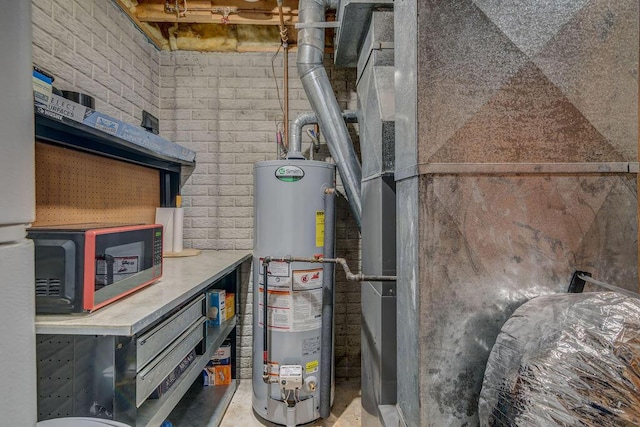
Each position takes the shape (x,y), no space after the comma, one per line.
(108,337)
(153,412)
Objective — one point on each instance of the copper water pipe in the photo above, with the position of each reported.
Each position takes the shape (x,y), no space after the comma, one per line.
(286,96)
(285,44)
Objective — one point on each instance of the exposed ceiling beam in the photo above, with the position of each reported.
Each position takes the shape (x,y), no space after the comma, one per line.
(201,26)
(207,11)
(158,43)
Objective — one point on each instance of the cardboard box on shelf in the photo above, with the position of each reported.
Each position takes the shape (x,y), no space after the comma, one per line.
(222,355)
(216,312)
(217,375)
(230,305)
(42,87)
(222,374)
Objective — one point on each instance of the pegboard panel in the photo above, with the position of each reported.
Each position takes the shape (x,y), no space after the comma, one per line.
(55,376)
(74,187)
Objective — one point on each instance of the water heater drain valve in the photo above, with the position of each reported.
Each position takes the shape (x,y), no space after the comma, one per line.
(291,377)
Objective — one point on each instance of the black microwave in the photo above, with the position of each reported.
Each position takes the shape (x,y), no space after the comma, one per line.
(80,268)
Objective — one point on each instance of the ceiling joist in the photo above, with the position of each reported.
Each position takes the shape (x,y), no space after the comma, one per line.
(226,11)
(215,25)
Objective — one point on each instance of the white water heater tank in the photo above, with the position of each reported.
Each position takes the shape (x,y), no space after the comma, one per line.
(289,221)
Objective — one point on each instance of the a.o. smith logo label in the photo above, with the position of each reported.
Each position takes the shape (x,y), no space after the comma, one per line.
(289,173)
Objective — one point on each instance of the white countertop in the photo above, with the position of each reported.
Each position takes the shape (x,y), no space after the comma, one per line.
(182,278)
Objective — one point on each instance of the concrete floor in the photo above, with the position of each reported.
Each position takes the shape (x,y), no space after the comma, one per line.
(345,412)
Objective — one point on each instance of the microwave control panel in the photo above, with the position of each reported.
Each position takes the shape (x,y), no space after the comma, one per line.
(157,247)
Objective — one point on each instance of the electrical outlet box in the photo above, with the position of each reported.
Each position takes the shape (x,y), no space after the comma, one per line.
(291,377)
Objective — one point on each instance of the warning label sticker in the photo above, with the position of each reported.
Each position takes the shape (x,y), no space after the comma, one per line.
(311,346)
(294,301)
(307,306)
(311,367)
(307,279)
(278,269)
(278,309)
(319,229)
(279,283)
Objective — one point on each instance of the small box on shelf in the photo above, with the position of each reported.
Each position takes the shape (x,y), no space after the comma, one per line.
(42,86)
(218,369)
(222,356)
(216,310)
(217,375)
(230,305)
(222,374)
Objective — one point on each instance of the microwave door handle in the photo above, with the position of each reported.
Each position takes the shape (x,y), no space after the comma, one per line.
(109,261)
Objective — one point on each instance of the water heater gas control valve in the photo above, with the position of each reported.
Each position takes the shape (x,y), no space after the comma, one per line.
(291,377)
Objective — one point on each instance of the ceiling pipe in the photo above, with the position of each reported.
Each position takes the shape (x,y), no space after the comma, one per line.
(310,118)
(323,100)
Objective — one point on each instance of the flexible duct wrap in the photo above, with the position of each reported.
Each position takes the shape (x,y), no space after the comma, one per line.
(566,359)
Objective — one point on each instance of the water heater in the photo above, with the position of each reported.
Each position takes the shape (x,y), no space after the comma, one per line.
(289,220)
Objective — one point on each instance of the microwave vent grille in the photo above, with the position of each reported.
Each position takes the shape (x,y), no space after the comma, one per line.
(48,287)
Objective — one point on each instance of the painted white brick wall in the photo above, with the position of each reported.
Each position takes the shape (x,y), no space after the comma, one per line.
(225,107)
(91,46)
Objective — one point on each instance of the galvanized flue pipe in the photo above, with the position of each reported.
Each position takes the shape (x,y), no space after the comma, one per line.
(323,99)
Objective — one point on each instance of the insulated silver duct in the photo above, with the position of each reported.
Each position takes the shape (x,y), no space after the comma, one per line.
(323,100)
(309,118)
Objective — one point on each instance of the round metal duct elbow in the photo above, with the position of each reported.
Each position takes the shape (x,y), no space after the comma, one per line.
(323,100)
